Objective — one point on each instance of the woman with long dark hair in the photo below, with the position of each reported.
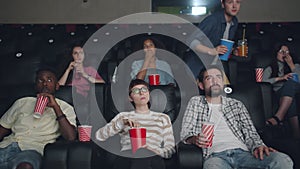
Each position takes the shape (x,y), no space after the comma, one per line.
(79,75)
(280,75)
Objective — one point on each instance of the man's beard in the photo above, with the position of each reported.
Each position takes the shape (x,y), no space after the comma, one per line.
(214,93)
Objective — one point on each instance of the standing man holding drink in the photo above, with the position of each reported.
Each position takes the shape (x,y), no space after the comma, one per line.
(236,143)
(221,24)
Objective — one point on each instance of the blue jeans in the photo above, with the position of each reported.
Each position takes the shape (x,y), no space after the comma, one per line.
(12,155)
(240,159)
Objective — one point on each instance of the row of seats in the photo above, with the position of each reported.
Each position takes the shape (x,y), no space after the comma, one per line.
(26,47)
(171,100)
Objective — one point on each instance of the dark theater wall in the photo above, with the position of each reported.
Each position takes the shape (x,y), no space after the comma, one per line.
(100,11)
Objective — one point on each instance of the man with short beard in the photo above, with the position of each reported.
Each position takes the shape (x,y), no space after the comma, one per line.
(236,143)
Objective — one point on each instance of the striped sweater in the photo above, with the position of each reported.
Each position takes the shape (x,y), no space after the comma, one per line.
(159,135)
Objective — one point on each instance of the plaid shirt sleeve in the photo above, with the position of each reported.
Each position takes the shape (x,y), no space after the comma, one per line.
(190,122)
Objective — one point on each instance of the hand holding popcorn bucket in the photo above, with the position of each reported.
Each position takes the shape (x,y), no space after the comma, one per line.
(40,105)
(208,132)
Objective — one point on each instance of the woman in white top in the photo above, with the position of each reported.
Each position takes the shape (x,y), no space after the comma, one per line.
(159,133)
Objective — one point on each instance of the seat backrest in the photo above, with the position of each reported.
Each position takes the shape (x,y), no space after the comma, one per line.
(65,93)
(164,99)
(251,96)
(10,93)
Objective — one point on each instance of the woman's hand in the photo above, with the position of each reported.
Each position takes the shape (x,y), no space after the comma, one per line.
(131,123)
(149,56)
(289,60)
(79,69)
(71,66)
(286,76)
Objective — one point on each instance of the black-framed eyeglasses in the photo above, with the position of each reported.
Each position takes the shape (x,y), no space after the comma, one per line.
(139,90)
(284,51)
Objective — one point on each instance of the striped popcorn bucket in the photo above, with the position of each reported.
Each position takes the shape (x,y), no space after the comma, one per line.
(259,74)
(208,131)
(40,105)
(84,132)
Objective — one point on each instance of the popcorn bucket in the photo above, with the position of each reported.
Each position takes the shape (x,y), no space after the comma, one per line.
(208,131)
(84,132)
(259,74)
(40,105)
(137,138)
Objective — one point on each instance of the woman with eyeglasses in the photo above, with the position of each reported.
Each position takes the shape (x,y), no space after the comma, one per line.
(159,133)
(280,74)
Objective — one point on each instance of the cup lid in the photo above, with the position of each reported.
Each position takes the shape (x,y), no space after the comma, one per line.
(227,40)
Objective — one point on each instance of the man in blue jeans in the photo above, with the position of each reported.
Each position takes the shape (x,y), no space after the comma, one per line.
(236,143)
(23,136)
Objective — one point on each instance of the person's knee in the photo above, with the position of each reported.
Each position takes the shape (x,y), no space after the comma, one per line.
(281,160)
(215,163)
(26,158)
(24,165)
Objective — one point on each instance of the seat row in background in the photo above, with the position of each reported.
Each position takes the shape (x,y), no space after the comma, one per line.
(26,47)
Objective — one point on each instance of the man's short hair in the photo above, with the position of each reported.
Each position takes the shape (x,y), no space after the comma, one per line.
(203,70)
(48,69)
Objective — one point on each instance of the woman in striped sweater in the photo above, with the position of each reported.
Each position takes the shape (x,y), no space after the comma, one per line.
(159,136)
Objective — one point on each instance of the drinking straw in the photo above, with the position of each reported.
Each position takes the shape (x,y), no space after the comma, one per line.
(244,31)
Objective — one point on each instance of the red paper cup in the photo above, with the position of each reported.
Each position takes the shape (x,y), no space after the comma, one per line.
(154,79)
(40,105)
(84,132)
(208,131)
(259,74)
(137,138)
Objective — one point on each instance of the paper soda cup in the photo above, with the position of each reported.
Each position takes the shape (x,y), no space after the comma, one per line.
(84,132)
(228,44)
(295,77)
(259,74)
(137,138)
(208,132)
(40,105)
(154,79)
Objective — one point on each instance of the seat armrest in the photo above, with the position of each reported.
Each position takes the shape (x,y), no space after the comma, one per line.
(189,156)
(72,155)
(56,155)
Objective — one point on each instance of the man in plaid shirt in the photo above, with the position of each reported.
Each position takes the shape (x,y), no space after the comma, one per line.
(236,143)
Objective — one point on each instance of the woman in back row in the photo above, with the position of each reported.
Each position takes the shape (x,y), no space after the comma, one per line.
(82,75)
(280,75)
